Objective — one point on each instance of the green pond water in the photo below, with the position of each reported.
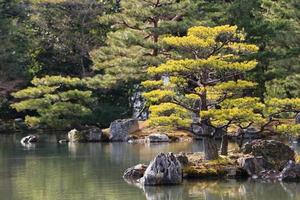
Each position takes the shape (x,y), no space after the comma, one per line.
(51,171)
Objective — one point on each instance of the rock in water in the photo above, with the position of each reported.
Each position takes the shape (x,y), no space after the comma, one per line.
(275,152)
(29,139)
(76,136)
(93,134)
(291,172)
(120,129)
(134,173)
(164,169)
(157,137)
(254,165)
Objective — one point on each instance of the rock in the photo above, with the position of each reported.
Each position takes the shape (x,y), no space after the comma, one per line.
(269,174)
(62,141)
(76,136)
(236,173)
(135,173)
(254,165)
(275,152)
(93,134)
(182,158)
(157,137)
(297,118)
(164,169)
(197,130)
(291,172)
(121,128)
(29,139)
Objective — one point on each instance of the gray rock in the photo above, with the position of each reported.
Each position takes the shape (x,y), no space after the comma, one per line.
(157,137)
(291,172)
(93,134)
(134,173)
(275,152)
(29,139)
(164,169)
(120,129)
(182,158)
(269,174)
(297,118)
(254,165)
(76,136)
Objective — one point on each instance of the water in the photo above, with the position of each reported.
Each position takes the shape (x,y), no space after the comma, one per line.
(50,171)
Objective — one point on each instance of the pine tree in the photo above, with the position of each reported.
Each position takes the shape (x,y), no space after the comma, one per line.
(135,43)
(206,81)
(56,101)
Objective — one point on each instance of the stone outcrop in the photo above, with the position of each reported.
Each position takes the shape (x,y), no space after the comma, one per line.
(89,135)
(182,158)
(157,137)
(29,139)
(254,165)
(291,172)
(134,173)
(164,169)
(274,152)
(120,129)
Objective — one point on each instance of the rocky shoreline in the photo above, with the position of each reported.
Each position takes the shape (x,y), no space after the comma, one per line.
(267,160)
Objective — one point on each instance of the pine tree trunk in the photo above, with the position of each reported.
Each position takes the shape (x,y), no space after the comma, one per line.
(224,145)
(210,148)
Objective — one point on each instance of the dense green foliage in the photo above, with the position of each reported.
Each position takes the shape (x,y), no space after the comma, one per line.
(107,47)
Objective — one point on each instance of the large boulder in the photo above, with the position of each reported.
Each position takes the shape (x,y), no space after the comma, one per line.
(164,169)
(29,139)
(157,137)
(275,152)
(134,173)
(254,165)
(291,172)
(120,129)
(76,136)
(93,134)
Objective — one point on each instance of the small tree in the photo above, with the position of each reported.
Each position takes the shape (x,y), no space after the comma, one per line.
(56,101)
(204,88)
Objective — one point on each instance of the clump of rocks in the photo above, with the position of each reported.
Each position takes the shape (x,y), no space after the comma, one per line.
(259,159)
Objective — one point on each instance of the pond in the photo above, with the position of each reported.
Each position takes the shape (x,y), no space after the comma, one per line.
(51,171)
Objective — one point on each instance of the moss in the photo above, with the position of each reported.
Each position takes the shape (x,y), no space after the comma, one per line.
(203,172)
(203,169)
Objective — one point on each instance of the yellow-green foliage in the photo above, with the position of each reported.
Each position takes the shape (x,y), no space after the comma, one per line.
(189,78)
(244,103)
(234,85)
(158,95)
(221,117)
(291,129)
(276,105)
(56,99)
(210,68)
(169,115)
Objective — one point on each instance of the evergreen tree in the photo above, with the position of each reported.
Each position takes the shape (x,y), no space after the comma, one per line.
(206,81)
(135,43)
(55,101)
(274,27)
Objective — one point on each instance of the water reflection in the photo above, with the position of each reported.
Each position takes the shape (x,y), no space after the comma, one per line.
(53,171)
